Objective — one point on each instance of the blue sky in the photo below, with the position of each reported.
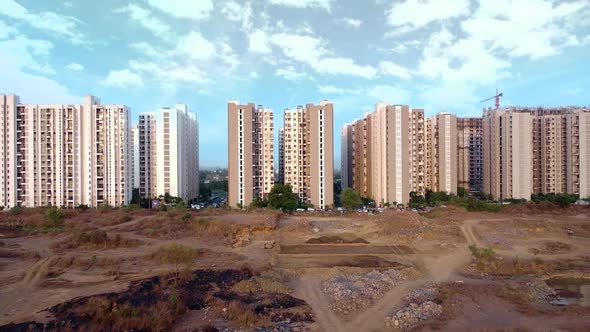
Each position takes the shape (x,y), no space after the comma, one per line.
(439,55)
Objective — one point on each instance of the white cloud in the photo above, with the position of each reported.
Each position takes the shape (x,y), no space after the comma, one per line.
(6,31)
(528,28)
(237,12)
(311,51)
(193,45)
(325,4)
(22,72)
(412,14)
(122,79)
(145,18)
(392,94)
(228,55)
(352,22)
(74,66)
(65,26)
(343,66)
(258,42)
(28,54)
(291,74)
(147,49)
(332,90)
(393,69)
(199,9)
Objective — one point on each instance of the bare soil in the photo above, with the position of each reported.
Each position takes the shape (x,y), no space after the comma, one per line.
(49,276)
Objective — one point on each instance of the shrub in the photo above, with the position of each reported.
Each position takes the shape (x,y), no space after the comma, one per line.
(83,207)
(176,254)
(54,218)
(16,210)
(350,199)
(481,253)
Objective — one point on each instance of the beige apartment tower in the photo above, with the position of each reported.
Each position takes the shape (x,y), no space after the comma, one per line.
(508,154)
(394,151)
(169,153)
(64,155)
(443,158)
(309,153)
(250,153)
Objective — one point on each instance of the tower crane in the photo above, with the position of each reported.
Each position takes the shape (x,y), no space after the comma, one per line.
(497,97)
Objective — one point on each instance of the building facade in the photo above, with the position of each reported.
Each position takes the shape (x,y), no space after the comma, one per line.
(64,155)
(169,153)
(147,155)
(395,151)
(309,153)
(346,156)
(536,150)
(135,164)
(508,154)
(250,153)
(443,159)
(470,154)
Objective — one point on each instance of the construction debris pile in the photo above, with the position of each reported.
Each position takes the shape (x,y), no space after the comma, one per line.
(419,306)
(353,292)
(538,291)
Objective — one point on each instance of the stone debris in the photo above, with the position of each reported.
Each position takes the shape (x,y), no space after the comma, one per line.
(284,326)
(418,307)
(421,295)
(410,316)
(539,291)
(353,292)
(493,239)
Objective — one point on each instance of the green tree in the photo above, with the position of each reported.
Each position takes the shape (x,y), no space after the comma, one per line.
(417,200)
(462,192)
(350,199)
(257,202)
(135,198)
(282,197)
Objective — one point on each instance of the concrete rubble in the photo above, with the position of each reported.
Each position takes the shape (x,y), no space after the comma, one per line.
(353,292)
(419,306)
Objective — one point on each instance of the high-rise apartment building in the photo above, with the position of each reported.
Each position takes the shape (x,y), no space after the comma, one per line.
(147,155)
(508,154)
(281,178)
(470,154)
(168,149)
(309,153)
(536,150)
(443,159)
(135,164)
(64,155)
(396,150)
(250,153)
(346,156)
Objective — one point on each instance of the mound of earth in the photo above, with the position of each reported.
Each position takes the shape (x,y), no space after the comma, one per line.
(347,238)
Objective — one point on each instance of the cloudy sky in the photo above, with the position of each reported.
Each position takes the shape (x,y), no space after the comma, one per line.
(439,55)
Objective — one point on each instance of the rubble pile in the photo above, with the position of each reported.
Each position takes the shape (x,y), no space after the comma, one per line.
(352,292)
(418,306)
(538,291)
(421,295)
(410,316)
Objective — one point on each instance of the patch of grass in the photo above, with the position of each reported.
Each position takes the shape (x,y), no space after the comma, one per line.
(513,295)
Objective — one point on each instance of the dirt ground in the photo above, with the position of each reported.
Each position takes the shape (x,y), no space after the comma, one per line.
(41,268)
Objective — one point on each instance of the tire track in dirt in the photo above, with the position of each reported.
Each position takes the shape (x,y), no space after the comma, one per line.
(309,288)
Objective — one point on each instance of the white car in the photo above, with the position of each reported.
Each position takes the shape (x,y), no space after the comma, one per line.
(300,210)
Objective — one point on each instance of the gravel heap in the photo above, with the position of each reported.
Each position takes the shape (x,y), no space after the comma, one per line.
(352,292)
(539,291)
(419,306)
(421,295)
